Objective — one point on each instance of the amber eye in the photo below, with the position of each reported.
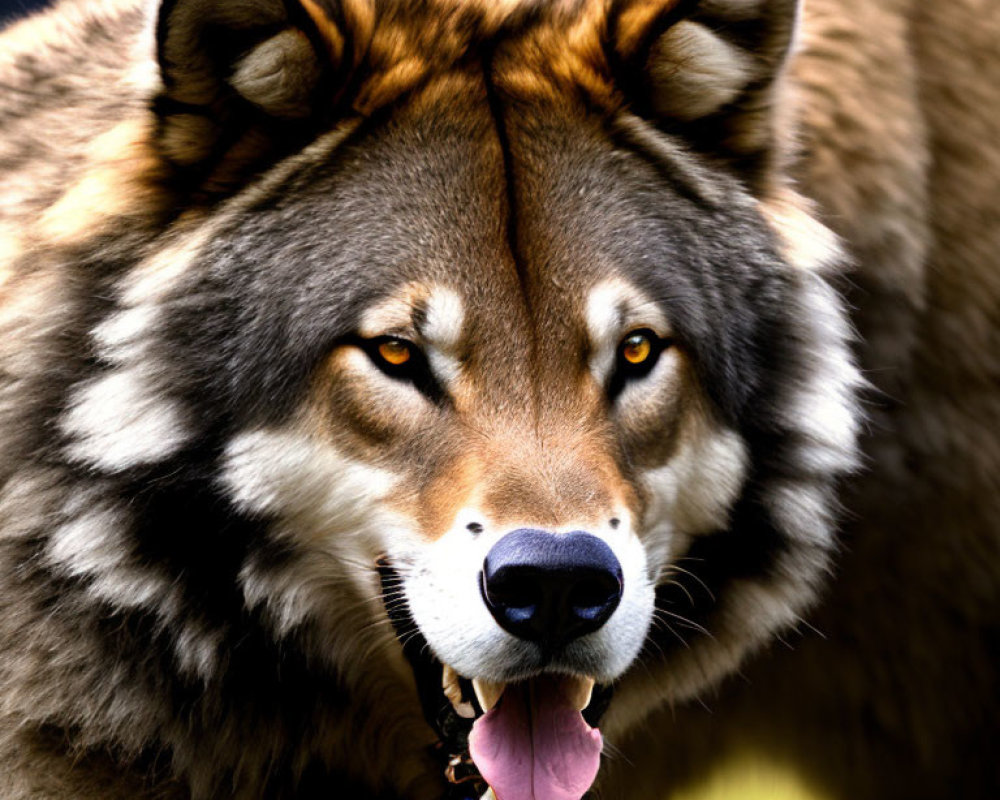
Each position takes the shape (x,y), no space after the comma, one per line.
(402,360)
(395,352)
(638,354)
(636,348)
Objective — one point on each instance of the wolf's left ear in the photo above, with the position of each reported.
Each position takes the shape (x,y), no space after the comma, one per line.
(238,75)
(707,69)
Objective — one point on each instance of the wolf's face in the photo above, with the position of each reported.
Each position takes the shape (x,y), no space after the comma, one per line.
(576,390)
(503,358)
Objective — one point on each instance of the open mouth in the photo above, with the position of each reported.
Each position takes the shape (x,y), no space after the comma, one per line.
(534,739)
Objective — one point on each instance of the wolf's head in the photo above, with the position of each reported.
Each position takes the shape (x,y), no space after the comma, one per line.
(497,327)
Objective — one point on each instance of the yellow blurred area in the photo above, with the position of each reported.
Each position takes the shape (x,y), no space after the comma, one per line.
(751,777)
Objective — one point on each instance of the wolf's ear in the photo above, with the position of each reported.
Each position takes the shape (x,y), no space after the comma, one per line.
(707,69)
(240,74)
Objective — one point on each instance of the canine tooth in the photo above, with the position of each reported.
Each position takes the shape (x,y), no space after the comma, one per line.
(487,693)
(580,692)
(489,795)
(449,684)
(453,691)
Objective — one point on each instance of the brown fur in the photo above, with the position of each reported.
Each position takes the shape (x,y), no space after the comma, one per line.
(888,120)
(890,690)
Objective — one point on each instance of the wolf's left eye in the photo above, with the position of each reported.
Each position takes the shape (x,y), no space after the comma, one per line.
(396,357)
(395,352)
(638,353)
(637,348)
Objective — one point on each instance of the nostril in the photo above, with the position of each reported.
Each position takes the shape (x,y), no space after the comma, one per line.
(593,596)
(512,589)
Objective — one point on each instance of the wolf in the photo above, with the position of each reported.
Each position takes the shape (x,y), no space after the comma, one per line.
(408,398)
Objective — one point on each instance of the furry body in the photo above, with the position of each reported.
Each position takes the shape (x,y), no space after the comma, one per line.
(894,693)
(186,420)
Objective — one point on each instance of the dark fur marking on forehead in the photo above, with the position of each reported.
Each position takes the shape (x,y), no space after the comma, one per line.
(496,105)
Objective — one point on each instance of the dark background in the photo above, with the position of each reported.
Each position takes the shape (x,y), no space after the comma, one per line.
(11,9)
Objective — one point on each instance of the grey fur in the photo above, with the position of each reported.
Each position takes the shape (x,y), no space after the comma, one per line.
(189,606)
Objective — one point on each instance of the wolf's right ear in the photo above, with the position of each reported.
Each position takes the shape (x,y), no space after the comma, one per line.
(239,75)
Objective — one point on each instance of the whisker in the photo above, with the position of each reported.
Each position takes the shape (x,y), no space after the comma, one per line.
(681,586)
(685,621)
(662,624)
(692,575)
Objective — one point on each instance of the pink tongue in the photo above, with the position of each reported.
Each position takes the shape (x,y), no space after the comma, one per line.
(534,745)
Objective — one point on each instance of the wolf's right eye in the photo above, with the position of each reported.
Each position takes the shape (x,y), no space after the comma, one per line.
(402,360)
(395,356)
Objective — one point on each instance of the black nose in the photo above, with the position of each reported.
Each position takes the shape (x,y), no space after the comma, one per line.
(551,588)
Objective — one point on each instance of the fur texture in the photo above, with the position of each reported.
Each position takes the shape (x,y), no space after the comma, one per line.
(215,214)
(890,688)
